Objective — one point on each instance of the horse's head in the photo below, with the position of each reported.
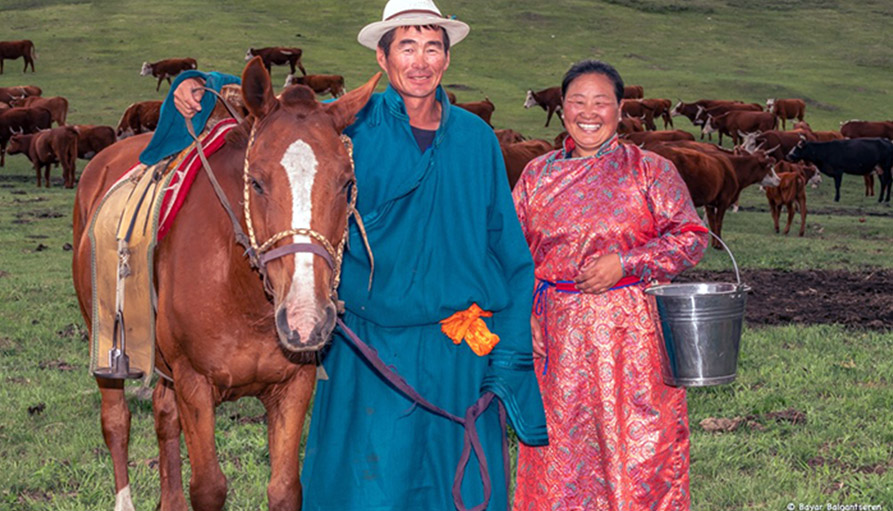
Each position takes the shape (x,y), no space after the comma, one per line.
(298,183)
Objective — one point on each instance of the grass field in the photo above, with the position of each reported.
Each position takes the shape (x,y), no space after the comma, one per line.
(830,389)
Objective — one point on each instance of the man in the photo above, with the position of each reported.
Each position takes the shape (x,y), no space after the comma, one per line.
(438,213)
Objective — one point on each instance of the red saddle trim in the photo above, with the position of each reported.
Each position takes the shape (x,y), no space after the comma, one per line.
(178,188)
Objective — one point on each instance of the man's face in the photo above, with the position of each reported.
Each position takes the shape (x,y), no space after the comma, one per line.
(416,62)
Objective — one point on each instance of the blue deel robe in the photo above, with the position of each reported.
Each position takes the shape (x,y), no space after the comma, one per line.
(444,235)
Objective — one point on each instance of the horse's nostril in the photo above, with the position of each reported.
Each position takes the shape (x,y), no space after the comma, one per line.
(282,325)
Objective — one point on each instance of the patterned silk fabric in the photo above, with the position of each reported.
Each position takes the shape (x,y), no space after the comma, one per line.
(618,437)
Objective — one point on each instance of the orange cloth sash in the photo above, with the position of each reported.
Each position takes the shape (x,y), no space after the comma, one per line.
(468,324)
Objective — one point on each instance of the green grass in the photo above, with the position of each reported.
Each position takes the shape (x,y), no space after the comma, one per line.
(835,54)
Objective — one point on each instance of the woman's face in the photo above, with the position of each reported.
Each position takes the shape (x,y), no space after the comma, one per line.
(591,112)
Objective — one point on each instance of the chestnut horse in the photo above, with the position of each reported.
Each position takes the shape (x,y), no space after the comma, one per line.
(224,331)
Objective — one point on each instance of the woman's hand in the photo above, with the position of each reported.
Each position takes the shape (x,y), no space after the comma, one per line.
(539,348)
(188,97)
(600,274)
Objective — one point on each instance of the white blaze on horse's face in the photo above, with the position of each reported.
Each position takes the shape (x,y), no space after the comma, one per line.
(530,101)
(299,162)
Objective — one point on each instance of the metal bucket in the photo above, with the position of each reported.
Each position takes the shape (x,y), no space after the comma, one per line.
(701,327)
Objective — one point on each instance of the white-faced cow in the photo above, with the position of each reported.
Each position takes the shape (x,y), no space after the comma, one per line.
(549,99)
(737,123)
(12,50)
(167,69)
(279,56)
(786,109)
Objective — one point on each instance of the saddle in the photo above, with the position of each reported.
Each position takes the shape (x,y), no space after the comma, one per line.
(133,216)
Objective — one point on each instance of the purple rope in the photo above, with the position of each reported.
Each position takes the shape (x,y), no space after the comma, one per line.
(294,248)
(472,441)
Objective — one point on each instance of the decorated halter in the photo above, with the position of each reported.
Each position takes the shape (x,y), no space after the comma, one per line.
(261,254)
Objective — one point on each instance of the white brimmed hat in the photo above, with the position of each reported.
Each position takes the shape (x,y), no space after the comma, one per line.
(408,13)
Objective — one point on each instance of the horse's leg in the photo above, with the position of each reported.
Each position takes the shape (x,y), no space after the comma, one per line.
(167,429)
(286,406)
(837,179)
(549,113)
(115,419)
(195,406)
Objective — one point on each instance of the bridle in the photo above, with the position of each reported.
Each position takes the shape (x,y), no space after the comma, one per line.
(261,254)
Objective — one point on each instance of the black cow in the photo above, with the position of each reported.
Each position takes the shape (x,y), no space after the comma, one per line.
(859,156)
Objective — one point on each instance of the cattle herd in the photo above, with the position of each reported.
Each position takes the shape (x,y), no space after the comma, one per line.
(782,161)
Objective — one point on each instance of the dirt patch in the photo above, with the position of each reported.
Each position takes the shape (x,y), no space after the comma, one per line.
(854,299)
(459,86)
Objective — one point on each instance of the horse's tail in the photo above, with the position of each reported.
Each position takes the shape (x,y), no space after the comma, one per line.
(33,50)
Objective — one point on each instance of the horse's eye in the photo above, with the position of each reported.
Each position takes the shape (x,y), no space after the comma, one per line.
(256,185)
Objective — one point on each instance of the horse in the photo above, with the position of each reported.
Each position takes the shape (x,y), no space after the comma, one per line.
(260,333)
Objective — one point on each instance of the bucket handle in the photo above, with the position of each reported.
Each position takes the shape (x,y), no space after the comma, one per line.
(735,264)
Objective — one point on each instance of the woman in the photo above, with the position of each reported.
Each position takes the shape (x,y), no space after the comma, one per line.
(603,220)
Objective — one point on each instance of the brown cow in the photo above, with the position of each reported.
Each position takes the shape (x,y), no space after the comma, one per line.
(321,84)
(628,125)
(786,109)
(867,129)
(57,105)
(92,139)
(660,108)
(790,193)
(10,94)
(278,55)
(509,136)
(643,137)
(517,156)
(14,49)
(450,96)
(58,145)
(637,109)
(715,177)
(483,109)
(633,92)
(818,136)
(775,143)
(139,118)
(167,69)
(21,121)
(736,123)
(549,99)
(694,111)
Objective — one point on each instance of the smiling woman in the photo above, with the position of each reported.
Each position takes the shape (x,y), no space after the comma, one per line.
(601,219)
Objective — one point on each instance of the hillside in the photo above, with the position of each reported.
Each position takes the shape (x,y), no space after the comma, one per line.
(834,54)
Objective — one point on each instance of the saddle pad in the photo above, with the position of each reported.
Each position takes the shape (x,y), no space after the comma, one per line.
(133,216)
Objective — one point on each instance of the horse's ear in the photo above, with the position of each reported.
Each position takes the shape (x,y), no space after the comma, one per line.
(344,110)
(257,91)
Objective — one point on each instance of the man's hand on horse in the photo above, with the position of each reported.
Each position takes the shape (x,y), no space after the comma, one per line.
(188,97)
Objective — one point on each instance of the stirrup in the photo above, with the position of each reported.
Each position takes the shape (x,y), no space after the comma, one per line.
(119,362)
